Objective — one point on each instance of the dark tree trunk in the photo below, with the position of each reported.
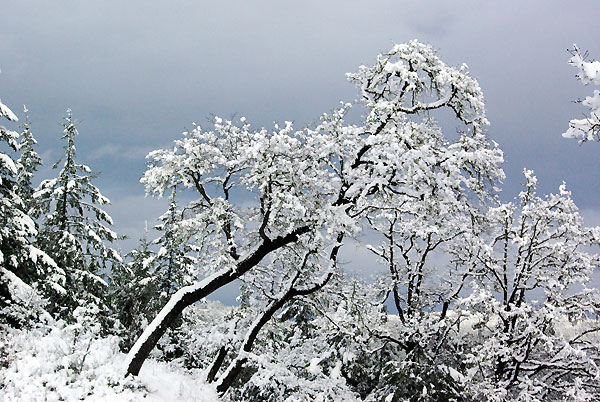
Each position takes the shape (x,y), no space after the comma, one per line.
(214,369)
(148,341)
(236,367)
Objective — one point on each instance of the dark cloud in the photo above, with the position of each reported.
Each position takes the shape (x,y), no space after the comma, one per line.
(137,73)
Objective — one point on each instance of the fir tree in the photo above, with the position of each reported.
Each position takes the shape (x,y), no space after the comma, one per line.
(174,263)
(23,267)
(133,291)
(174,267)
(75,230)
(28,163)
(143,285)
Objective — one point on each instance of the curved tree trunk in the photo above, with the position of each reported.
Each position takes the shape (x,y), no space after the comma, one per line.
(191,294)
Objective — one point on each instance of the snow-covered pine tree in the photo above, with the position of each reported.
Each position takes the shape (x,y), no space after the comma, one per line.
(175,264)
(21,264)
(144,284)
(28,162)
(75,229)
(133,291)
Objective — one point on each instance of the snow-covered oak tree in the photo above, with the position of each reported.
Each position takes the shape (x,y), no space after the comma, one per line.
(441,207)
(235,238)
(425,288)
(308,350)
(588,128)
(260,192)
(532,322)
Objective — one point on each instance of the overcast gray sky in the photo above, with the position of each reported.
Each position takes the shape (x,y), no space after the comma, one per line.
(137,73)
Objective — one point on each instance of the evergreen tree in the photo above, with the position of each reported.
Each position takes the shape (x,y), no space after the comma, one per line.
(143,285)
(75,229)
(133,291)
(174,267)
(23,267)
(174,263)
(27,164)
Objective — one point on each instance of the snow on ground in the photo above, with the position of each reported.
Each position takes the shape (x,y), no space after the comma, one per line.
(157,382)
(71,362)
(164,382)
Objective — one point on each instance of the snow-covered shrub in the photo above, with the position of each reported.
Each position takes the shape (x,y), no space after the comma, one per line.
(290,364)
